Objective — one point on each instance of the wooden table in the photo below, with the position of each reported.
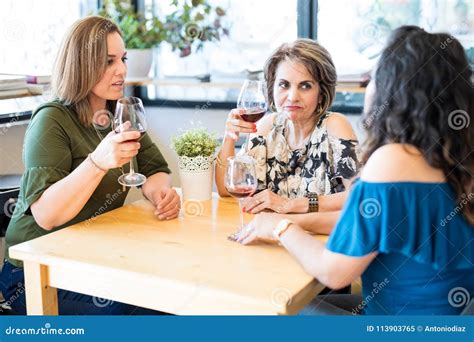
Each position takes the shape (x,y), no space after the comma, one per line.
(181,266)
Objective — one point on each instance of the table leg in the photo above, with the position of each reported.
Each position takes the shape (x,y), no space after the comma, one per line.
(41,299)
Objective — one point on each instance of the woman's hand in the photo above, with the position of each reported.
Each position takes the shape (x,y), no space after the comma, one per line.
(260,229)
(236,125)
(117,149)
(267,200)
(167,203)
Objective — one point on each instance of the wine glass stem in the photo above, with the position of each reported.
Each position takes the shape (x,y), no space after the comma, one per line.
(132,171)
(241,206)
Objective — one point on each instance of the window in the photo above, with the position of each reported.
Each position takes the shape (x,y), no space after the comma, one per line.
(30,34)
(256,28)
(355,32)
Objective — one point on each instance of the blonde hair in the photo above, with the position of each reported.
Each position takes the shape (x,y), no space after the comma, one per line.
(315,58)
(81,63)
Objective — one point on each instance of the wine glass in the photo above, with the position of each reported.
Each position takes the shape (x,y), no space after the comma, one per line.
(131,109)
(241,179)
(253,100)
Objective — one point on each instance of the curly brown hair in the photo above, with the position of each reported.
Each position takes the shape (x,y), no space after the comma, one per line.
(424,97)
(315,58)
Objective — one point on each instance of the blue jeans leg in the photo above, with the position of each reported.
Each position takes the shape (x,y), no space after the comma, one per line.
(69,303)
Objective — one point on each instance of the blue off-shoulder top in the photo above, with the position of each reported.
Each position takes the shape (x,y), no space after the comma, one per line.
(425,260)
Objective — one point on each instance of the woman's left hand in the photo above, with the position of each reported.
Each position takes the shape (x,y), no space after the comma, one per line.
(267,200)
(260,229)
(168,204)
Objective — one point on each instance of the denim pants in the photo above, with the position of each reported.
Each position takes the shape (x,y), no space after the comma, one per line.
(69,303)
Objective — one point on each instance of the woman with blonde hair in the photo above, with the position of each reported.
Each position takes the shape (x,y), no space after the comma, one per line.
(305,154)
(73,158)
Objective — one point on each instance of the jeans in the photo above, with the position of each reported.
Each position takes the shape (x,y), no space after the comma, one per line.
(333,304)
(69,303)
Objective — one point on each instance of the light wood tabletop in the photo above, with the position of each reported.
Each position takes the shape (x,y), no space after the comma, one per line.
(181,266)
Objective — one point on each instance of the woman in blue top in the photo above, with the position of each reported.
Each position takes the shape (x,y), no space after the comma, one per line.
(407,227)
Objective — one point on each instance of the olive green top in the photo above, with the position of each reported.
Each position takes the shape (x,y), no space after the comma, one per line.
(56,142)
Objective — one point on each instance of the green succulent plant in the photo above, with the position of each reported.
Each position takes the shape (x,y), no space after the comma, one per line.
(195,142)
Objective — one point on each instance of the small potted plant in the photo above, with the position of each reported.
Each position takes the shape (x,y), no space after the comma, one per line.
(196,154)
(140,35)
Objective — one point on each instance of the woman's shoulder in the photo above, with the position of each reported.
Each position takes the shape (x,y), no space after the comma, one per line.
(337,125)
(52,111)
(400,163)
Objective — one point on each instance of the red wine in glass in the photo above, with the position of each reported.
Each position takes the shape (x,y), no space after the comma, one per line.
(253,115)
(241,191)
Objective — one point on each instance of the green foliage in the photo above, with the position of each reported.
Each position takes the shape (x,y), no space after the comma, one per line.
(191,24)
(195,142)
(138,32)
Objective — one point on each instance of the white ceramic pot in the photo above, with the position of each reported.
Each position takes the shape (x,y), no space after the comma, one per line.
(196,174)
(139,62)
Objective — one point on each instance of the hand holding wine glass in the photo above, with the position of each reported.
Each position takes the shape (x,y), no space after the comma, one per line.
(130,116)
(251,107)
(241,179)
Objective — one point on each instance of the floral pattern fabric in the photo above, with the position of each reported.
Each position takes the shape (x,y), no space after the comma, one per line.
(318,167)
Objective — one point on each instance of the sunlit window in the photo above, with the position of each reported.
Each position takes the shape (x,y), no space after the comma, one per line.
(31,32)
(355,31)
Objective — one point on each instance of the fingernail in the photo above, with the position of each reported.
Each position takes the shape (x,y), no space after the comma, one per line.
(160,217)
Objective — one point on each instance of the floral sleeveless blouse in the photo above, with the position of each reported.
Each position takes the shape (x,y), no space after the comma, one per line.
(319,167)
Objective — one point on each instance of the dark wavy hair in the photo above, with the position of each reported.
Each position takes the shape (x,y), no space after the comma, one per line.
(425,97)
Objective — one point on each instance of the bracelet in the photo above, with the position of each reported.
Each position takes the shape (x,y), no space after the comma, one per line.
(89,156)
(313,201)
